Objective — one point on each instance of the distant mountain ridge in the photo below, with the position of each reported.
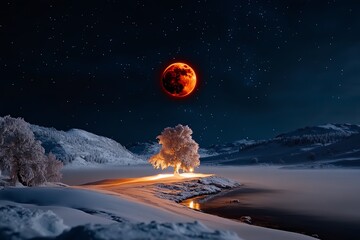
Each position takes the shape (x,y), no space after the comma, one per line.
(81,148)
(321,134)
(319,146)
(346,129)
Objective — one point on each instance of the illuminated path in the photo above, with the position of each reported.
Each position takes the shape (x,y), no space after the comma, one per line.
(159,178)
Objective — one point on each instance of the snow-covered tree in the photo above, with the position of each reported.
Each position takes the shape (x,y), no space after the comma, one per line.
(53,167)
(22,157)
(178,150)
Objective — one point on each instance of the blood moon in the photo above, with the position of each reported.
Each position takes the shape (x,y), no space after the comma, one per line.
(178,80)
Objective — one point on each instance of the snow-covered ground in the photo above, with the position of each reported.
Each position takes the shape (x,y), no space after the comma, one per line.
(80,214)
(120,208)
(128,204)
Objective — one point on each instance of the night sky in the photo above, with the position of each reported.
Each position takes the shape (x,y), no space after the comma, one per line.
(264,67)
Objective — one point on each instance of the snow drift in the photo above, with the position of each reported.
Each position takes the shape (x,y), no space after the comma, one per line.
(150,231)
(17,222)
(65,213)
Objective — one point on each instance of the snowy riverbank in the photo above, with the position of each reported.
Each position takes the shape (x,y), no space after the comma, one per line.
(123,207)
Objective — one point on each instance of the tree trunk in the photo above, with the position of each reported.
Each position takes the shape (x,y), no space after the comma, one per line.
(176,169)
(20,179)
(18,176)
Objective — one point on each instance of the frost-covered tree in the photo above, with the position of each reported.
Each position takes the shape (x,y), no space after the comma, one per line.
(178,150)
(22,157)
(53,167)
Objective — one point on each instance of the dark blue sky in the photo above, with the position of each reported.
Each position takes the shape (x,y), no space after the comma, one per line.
(264,67)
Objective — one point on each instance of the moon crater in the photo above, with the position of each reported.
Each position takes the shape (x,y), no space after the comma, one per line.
(178,80)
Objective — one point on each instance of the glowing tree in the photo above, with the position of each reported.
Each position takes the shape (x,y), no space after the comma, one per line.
(178,150)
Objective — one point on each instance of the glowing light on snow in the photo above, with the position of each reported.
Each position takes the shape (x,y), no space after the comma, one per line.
(159,176)
(194,175)
(155,178)
(181,175)
(194,205)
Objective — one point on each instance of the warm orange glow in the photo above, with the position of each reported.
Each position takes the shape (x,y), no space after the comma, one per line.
(191,170)
(194,205)
(194,175)
(179,79)
(155,178)
(170,175)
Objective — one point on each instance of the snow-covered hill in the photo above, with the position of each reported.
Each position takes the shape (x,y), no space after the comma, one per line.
(319,146)
(80,148)
(323,134)
(339,129)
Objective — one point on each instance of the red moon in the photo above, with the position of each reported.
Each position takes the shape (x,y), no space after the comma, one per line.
(178,80)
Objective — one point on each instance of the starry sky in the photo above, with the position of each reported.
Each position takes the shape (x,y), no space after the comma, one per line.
(264,67)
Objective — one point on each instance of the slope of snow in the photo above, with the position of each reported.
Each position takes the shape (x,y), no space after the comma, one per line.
(80,148)
(71,214)
(17,222)
(345,128)
(90,203)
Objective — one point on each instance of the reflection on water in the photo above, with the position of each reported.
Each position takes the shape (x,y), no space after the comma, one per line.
(194,205)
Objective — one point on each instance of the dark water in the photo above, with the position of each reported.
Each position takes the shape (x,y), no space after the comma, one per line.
(237,204)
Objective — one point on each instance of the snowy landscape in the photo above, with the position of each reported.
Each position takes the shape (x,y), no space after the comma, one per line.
(110,192)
